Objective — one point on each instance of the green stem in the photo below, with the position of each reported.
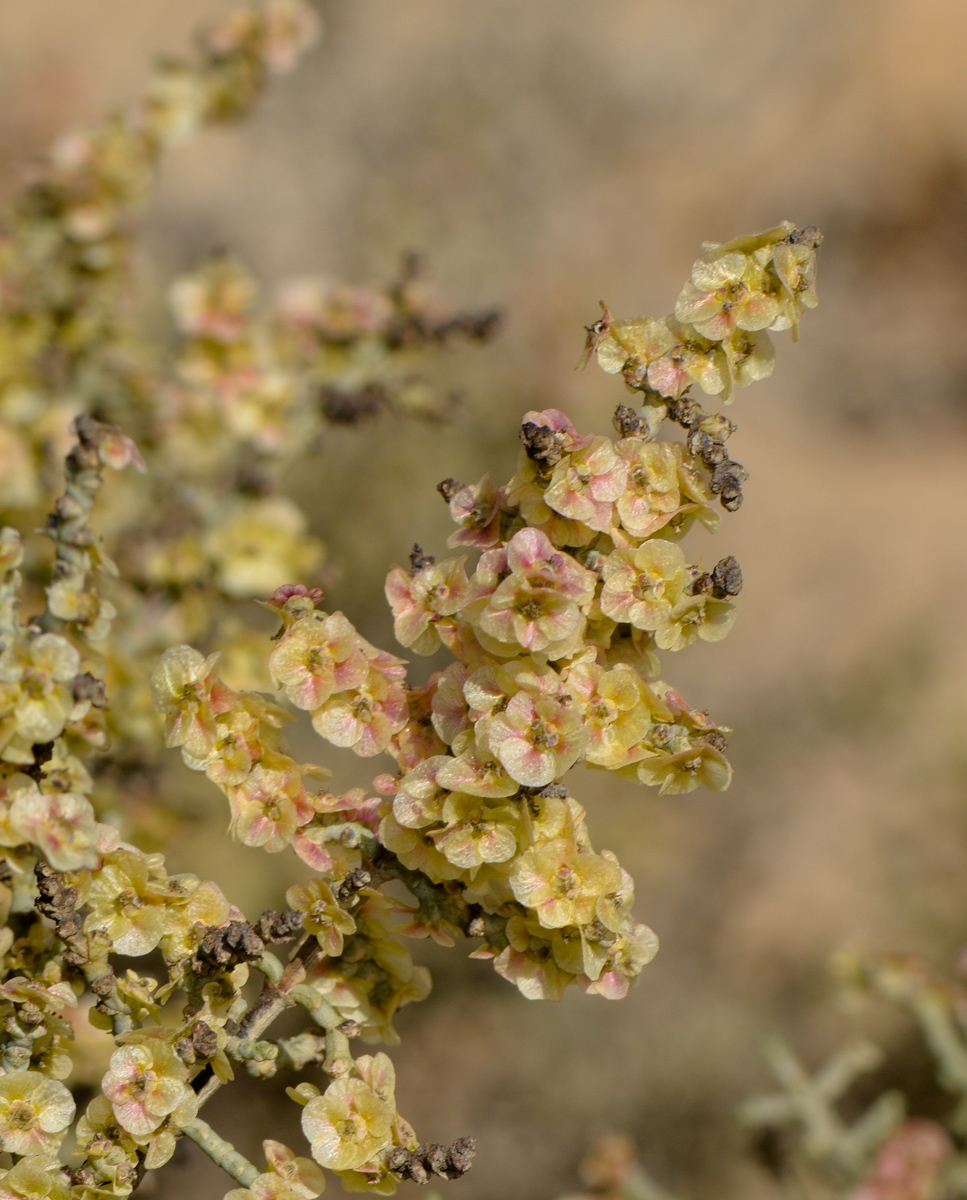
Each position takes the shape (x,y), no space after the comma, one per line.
(223,1154)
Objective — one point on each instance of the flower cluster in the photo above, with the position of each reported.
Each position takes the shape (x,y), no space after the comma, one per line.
(252,386)
(717,336)
(568,582)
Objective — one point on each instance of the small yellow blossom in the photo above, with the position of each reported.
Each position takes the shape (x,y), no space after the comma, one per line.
(350,1123)
(36,1177)
(34,1112)
(561,883)
(147,1082)
(36,700)
(323,918)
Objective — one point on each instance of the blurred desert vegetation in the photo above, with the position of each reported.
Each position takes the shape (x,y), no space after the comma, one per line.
(545,155)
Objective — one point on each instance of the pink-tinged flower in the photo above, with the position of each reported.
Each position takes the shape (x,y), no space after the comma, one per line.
(419,798)
(476,771)
(36,1177)
(147,1082)
(692,359)
(187,690)
(581,951)
(317,656)
(448,706)
(349,1124)
(795,265)
(489,688)
(353,805)
(909,1164)
(235,747)
(528,962)
(613,909)
(560,425)
(629,345)
(641,585)
(416,849)
(60,824)
(549,817)
(460,638)
(418,740)
(301,1174)
(35,685)
(651,497)
(125,904)
(477,831)
(491,570)
(751,357)
(72,599)
(724,294)
(692,617)
(206,906)
(323,917)
(585,484)
(117,451)
(315,310)
(616,712)
(34,1113)
(534,617)
(536,606)
(563,884)
(626,960)
(392,669)
(366,718)
(532,555)
(476,508)
(291,27)
(419,600)
(526,492)
(315,847)
(295,598)
(684,770)
(270,804)
(537,740)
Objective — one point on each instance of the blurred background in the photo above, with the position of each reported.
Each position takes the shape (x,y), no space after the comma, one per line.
(545,155)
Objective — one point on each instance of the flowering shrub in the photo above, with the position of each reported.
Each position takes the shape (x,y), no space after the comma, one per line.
(568,581)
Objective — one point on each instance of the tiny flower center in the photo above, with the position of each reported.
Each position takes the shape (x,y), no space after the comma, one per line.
(128,902)
(542,735)
(646,583)
(36,684)
(531,608)
(352,1129)
(140,1086)
(640,479)
(21,1115)
(604,711)
(567,882)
